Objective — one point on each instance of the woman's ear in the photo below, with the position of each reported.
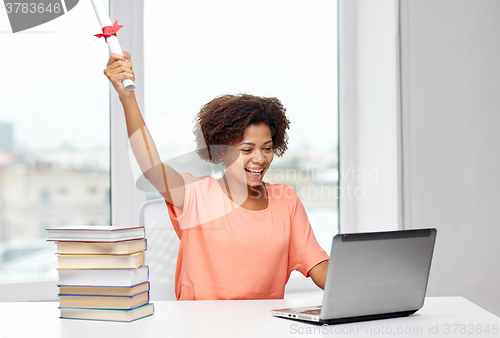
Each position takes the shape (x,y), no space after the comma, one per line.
(225,153)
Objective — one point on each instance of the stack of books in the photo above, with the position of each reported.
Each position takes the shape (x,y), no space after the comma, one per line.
(102,275)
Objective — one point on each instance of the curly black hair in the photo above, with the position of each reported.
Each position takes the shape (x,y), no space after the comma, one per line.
(223,121)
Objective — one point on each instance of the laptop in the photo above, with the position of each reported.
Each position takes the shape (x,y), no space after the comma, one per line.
(371,276)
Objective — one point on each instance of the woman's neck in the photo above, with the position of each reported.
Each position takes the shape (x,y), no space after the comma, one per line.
(241,193)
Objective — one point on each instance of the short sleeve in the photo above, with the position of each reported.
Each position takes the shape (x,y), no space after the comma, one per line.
(304,250)
(203,202)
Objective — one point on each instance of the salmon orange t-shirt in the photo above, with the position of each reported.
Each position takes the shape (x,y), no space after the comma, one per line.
(228,252)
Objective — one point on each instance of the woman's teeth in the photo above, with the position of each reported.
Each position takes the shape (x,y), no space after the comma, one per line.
(252,171)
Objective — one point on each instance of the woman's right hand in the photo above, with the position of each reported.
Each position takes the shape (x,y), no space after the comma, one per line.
(118,69)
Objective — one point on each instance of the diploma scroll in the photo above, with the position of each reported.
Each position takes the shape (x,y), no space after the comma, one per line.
(113,43)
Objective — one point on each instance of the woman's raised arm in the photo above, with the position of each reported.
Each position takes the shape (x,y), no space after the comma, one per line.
(164,178)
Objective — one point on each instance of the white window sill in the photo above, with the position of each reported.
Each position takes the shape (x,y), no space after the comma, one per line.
(29,291)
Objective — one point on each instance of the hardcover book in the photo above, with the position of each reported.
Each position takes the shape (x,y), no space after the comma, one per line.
(104,290)
(101,261)
(108,315)
(96,248)
(104,302)
(103,277)
(95,233)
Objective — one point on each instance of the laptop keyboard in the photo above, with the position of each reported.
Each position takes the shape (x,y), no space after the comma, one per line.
(311,311)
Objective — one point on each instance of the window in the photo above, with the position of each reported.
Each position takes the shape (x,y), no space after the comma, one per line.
(54,138)
(197,50)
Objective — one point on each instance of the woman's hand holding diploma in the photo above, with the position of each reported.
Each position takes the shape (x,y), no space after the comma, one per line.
(118,69)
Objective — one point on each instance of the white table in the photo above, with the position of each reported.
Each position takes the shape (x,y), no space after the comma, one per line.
(440,317)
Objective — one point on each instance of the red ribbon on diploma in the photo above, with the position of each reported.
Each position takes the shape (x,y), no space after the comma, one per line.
(107,31)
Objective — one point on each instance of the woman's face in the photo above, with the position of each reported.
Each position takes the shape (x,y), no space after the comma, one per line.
(255,155)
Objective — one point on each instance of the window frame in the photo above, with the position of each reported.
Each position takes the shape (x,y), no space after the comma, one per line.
(361,61)
(125,210)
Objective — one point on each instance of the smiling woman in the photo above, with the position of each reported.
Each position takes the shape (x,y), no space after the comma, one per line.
(256,128)
(262,224)
(274,48)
